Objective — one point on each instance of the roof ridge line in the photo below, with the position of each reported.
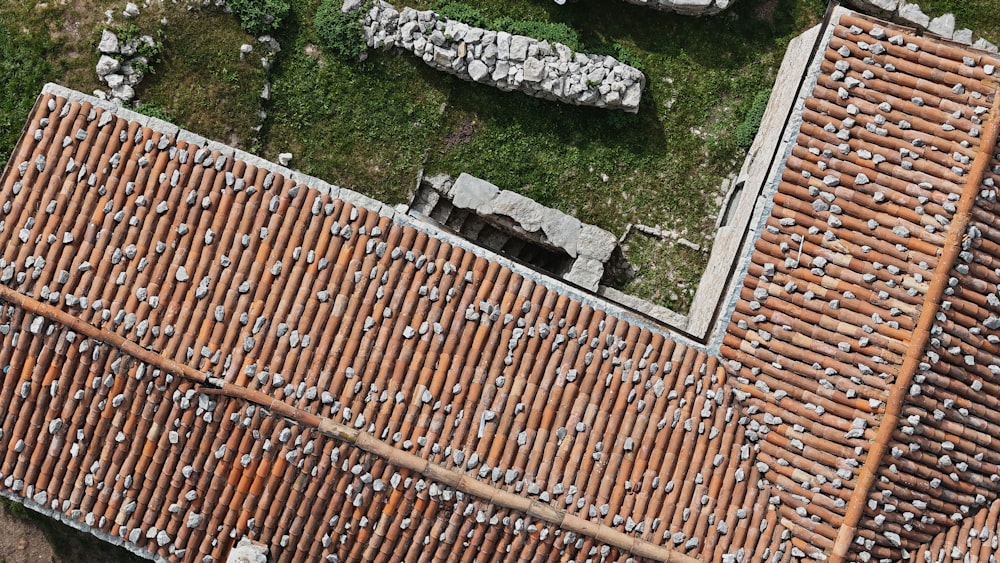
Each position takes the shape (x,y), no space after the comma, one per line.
(362,440)
(920,336)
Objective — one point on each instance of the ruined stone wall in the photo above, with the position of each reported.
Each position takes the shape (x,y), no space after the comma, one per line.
(506,61)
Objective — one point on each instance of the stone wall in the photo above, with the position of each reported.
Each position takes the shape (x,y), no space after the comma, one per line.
(506,61)
(910,14)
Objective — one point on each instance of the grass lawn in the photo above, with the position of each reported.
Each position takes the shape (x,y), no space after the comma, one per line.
(372,126)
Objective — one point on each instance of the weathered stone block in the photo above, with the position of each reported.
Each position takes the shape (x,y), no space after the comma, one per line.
(470,192)
(963,36)
(526,213)
(478,70)
(107,65)
(562,230)
(911,13)
(943,25)
(518,48)
(595,242)
(534,70)
(586,273)
(984,45)
(109,42)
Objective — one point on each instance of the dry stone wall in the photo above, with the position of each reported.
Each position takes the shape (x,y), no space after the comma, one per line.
(505,61)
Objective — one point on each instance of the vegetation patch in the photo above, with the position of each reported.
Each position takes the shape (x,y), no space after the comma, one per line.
(339,33)
(203,81)
(153,110)
(746,131)
(260,17)
(652,259)
(23,72)
(553,32)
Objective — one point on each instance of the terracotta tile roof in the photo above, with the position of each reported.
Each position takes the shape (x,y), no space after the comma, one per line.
(865,329)
(197,347)
(975,538)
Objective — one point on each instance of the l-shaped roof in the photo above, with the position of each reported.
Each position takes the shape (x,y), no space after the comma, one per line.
(199,346)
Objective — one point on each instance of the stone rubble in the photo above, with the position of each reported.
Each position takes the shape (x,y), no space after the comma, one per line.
(505,61)
(910,14)
(131,10)
(117,67)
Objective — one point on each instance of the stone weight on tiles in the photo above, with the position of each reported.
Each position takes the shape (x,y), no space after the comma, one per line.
(505,61)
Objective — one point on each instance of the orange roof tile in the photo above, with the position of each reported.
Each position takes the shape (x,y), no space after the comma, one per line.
(199,346)
(862,311)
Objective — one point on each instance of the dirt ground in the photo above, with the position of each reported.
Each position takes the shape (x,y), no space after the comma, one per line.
(29,537)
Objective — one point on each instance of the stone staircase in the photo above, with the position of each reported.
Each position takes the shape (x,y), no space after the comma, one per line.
(489,233)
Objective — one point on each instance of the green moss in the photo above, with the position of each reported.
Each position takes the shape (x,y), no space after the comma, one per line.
(153,110)
(746,131)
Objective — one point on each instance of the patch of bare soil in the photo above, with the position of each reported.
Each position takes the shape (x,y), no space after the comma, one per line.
(29,537)
(461,135)
(21,541)
(765,12)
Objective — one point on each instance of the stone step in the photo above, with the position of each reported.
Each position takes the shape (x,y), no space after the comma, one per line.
(441,211)
(425,201)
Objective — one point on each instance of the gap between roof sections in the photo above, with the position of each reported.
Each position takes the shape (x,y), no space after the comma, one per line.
(920,336)
(361,440)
